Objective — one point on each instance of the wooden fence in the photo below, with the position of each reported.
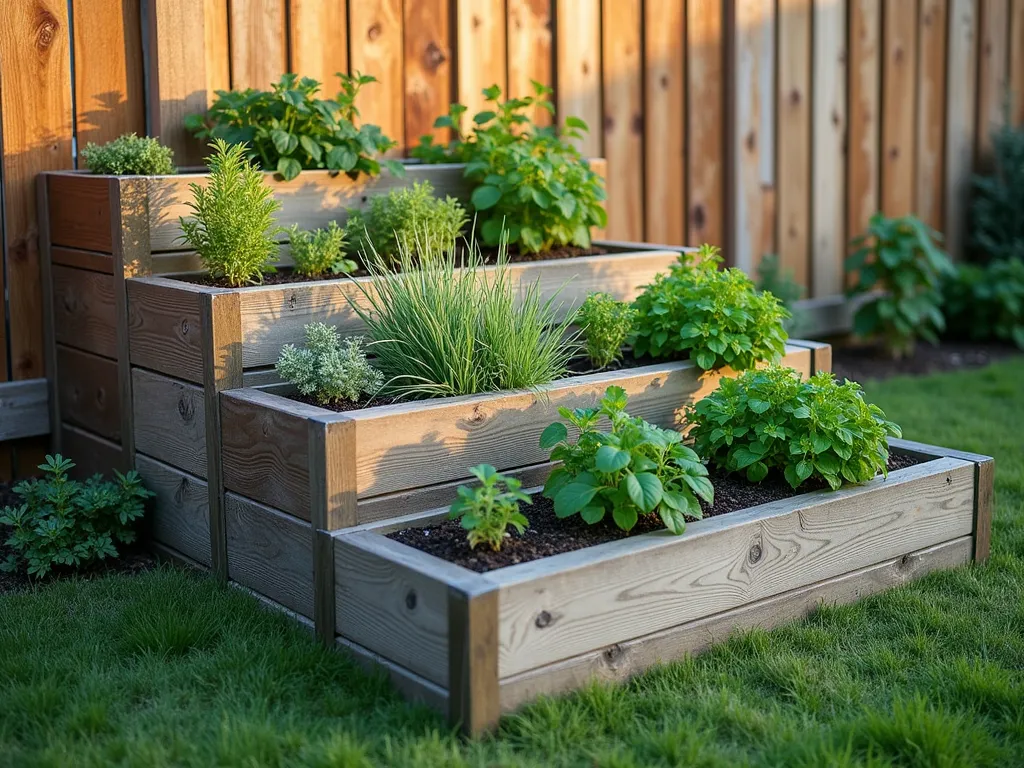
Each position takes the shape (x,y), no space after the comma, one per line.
(763,125)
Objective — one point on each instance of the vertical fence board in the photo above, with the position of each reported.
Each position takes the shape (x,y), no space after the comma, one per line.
(865,114)
(622,76)
(664,119)
(992,74)
(961,98)
(931,110)
(376,48)
(318,32)
(428,73)
(793,187)
(529,50)
(898,106)
(258,47)
(218,49)
(828,143)
(1017,62)
(109,96)
(705,114)
(578,67)
(480,38)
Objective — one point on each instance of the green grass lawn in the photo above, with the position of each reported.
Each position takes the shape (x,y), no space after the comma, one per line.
(168,669)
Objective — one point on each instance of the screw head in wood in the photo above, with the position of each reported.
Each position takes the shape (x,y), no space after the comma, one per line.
(543,619)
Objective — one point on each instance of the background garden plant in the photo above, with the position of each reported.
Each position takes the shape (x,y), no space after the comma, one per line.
(529,181)
(232,227)
(488,510)
(770,420)
(716,317)
(986,302)
(288,128)
(129,155)
(635,469)
(997,206)
(320,252)
(606,324)
(329,369)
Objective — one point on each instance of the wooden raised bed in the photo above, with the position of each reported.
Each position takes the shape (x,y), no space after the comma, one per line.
(477,645)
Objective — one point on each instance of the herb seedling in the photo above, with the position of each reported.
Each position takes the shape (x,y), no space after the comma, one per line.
(129,155)
(491,508)
(319,252)
(329,369)
(606,324)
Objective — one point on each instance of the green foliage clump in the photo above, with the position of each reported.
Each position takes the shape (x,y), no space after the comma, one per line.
(490,509)
(778,281)
(233,226)
(716,316)
(329,369)
(129,155)
(986,302)
(62,522)
(404,217)
(319,252)
(606,323)
(443,326)
(997,208)
(635,469)
(528,180)
(289,128)
(770,420)
(898,262)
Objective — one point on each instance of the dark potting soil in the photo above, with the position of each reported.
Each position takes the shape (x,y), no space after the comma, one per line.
(343,405)
(547,535)
(865,363)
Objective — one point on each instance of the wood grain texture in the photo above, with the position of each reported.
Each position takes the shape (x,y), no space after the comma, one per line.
(92,454)
(473,693)
(863,170)
(36,116)
(80,211)
(165,330)
(415,689)
(664,119)
(621,661)
(623,119)
(179,515)
(899,96)
(216,25)
(90,260)
(793,139)
(993,77)
(984,506)
(83,308)
(653,582)
(828,131)
(318,35)
(481,43)
(24,410)
(376,48)
(931,112)
(1017,62)
(578,68)
(270,552)
(428,68)
(88,392)
(51,401)
(530,53)
(961,98)
(705,113)
(258,43)
(170,420)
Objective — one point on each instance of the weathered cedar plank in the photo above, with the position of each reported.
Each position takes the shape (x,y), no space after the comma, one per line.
(218,47)
(705,113)
(961,96)
(91,453)
(473,693)
(376,48)
(657,581)
(578,67)
(931,112)
(413,688)
(529,51)
(865,113)
(90,260)
(318,31)
(179,516)
(1017,63)
(24,409)
(52,402)
(80,211)
(88,392)
(258,42)
(899,69)
(428,69)
(169,420)
(164,328)
(83,309)
(993,80)
(481,41)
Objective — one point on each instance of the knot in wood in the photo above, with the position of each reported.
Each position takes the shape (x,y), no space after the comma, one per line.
(613,653)
(184,328)
(478,415)
(181,491)
(433,57)
(292,301)
(46,29)
(699,216)
(754,555)
(410,599)
(374,31)
(949,479)
(543,620)
(905,561)
(101,396)
(637,125)
(186,409)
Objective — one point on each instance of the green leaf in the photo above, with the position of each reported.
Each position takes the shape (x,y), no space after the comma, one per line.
(573,498)
(342,158)
(651,490)
(592,513)
(702,487)
(757,472)
(758,406)
(289,168)
(485,196)
(610,459)
(673,518)
(482,117)
(625,517)
(311,147)
(575,122)
(552,435)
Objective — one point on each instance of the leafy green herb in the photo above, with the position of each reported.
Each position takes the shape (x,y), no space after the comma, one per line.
(986,302)
(403,217)
(329,369)
(997,206)
(606,324)
(233,226)
(770,420)
(62,522)
(716,317)
(899,257)
(320,252)
(129,155)
(636,469)
(289,128)
(490,509)
(528,180)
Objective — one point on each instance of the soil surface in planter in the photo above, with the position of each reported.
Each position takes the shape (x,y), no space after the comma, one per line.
(864,363)
(547,535)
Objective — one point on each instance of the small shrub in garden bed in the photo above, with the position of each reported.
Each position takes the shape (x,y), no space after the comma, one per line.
(62,522)
(986,302)
(715,316)
(900,258)
(606,324)
(636,469)
(288,128)
(329,369)
(770,420)
(530,182)
(490,509)
(320,252)
(997,208)
(129,155)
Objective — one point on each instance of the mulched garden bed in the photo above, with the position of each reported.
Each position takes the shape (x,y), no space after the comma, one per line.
(865,363)
(547,535)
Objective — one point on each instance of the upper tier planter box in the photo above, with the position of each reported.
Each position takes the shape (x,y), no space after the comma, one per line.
(477,645)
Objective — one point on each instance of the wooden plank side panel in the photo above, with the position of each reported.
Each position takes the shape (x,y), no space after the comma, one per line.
(622,78)
(529,51)
(481,44)
(169,420)
(578,68)
(376,48)
(91,453)
(428,69)
(80,211)
(179,515)
(863,171)
(899,68)
(216,23)
(993,77)
(318,34)
(258,43)
(164,327)
(705,114)
(962,90)
(1017,62)
(931,112)
(109,95)
(88,392)
(83,308)
(24,409)
(756,554)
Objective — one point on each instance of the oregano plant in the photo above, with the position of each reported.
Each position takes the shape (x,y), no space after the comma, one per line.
(488,510)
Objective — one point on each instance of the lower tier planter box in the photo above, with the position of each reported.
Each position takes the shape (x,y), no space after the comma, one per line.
(477,645)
